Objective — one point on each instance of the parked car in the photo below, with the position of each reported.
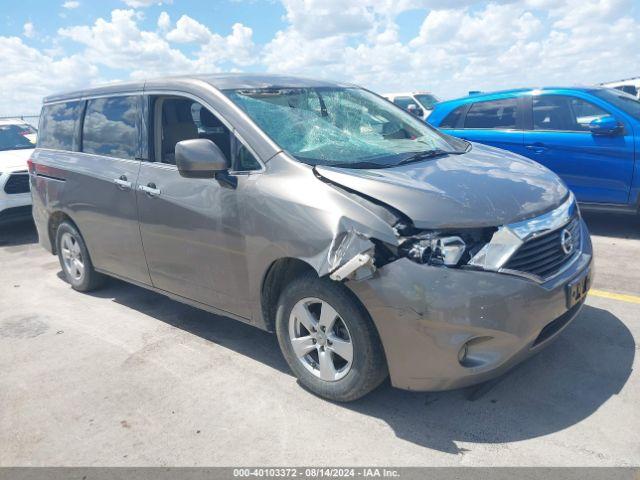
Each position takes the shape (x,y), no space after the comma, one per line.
(627,85)
(368,241)
(589,136)
(17,141)
(419,104)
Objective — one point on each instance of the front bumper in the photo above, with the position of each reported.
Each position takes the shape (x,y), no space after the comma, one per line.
(13,206)
(426,314)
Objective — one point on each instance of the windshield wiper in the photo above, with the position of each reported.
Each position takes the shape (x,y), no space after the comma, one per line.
(436,152)
(360,165)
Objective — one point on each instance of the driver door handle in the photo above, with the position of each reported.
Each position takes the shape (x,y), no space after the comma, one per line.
(122,182)
(537,147)
(150,189)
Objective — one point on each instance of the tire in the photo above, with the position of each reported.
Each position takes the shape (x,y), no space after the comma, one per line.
(316,352)
(75,260)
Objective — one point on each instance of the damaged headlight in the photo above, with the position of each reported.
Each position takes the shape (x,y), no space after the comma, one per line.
(450,249)
(436,250)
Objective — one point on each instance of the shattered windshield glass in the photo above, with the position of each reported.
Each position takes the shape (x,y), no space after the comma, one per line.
(347,127)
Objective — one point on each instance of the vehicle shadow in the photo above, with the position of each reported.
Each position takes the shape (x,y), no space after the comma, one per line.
(229,333)
(16,233)
(613,224)
(564,384)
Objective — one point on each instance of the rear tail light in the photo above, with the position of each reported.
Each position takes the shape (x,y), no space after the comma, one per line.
(31,166)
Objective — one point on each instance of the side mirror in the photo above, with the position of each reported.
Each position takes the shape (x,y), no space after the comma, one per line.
(199,158)
(605,125)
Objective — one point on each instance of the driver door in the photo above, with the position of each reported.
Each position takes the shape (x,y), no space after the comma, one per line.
(191,228)
(597,168)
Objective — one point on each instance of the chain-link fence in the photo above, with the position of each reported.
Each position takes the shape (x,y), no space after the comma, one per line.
(30,119)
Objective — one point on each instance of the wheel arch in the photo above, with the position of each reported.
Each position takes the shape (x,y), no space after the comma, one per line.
(55,219)
(279,274)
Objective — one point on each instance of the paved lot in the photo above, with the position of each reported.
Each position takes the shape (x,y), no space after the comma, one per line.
(128,377)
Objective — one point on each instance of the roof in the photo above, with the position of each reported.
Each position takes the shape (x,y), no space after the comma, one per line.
(415,92)
(13,121)
(221,81)
(630,79)
(499,93)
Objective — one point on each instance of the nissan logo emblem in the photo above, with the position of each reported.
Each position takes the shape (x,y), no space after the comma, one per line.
(566,241)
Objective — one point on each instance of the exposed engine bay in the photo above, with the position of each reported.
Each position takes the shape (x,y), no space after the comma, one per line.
(450,248)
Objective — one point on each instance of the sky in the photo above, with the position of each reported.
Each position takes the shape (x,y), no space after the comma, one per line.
(448,47)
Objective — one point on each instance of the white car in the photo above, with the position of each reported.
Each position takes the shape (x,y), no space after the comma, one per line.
(419,103)
(628,85)
(17,141)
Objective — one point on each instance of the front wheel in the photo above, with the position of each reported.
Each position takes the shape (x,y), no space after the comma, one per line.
(328,339)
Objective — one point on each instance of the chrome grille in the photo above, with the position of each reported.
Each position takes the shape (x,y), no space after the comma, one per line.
(17,183)
(544,255)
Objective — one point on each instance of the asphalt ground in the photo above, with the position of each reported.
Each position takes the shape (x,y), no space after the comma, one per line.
(127,377)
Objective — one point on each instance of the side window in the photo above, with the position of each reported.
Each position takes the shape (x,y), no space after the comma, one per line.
(495,114)
(58,125)
(244,160)
(180,119)
(403,102)
(563,113)
(583,113)
(111,127)
(630,89)
(452,119)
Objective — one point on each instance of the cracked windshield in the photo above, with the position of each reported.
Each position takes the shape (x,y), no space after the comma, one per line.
(345,127)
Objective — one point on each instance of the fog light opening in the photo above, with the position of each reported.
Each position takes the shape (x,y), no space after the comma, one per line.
(462,354)
(472,354)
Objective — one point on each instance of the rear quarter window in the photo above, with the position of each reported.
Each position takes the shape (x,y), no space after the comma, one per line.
(494,114)
(453,118)
(111,127)
(58,125)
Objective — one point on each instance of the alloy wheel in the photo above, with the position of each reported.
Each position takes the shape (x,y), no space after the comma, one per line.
(72,256)
(320,339)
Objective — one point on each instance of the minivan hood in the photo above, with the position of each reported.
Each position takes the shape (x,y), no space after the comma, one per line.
(484,187)
(14,160)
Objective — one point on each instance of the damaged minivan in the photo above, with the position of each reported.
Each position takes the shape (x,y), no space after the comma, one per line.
(371,243)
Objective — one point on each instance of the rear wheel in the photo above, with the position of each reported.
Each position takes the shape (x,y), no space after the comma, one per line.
(328,339)
(75,260)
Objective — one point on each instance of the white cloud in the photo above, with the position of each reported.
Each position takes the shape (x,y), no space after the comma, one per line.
(326,18)
(28,30)
(237,47)
(119,43)
(146,3)
(523,43)
(320,38)
(189,30)
(460,45)
(164,21)
(28,75)
(70,4)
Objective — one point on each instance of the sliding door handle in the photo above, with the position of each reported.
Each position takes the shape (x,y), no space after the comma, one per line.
(150,189)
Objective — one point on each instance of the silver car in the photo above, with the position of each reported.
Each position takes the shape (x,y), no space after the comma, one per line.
(372,244)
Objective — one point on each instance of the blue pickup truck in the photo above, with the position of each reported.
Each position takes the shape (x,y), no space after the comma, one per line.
(589,136)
